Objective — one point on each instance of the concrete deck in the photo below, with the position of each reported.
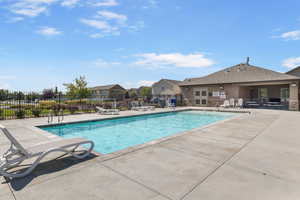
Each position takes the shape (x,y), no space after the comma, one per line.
(254,156)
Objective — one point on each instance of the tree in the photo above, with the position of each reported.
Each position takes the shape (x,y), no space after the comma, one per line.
(48,94)
(32,96)
(78,89)
(146,92)
(4,95)
(132,93)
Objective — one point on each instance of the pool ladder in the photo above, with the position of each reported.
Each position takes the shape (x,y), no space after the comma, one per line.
(60,117)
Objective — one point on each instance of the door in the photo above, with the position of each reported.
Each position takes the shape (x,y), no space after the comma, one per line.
(201,96)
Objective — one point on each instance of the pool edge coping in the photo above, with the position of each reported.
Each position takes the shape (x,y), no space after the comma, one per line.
(109,156)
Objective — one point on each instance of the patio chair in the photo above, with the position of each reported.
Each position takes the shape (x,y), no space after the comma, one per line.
(171,105)
(232,102)
(240,103)
(107,111)
(226,104)
(16,154)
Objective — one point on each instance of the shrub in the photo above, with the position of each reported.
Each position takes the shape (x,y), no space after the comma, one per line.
(20,114)
(1,114)
(47,104)
(76,102)
(72,109)
(36,112)
(22,106)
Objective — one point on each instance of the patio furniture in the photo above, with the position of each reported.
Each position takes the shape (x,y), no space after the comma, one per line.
(107,111)
(232,102)
(226,104)
(140,108)
(240,103)
(171,105)
(16,154)
(252,104)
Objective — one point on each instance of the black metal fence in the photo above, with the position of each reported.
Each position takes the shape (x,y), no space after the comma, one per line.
(18,105)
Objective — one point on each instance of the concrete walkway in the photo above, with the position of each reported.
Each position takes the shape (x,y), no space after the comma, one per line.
(254,156)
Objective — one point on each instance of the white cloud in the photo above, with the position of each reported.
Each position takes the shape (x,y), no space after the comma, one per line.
(102,63)
(113,16)
(138,84)
(32,11)
(291,62)
(195,60)
(69,3)
(48,31)
(98,24)
(145,83)
(292,35)
(105,28)
(30,8)
(107,3)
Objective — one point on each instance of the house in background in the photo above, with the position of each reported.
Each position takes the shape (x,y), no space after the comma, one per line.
(108,92)
(244,81)
(167,89)
(294,72)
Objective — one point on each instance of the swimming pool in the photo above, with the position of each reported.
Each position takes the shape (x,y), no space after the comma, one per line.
(117,134)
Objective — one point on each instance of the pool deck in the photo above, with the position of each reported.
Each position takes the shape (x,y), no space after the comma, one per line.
(253,156)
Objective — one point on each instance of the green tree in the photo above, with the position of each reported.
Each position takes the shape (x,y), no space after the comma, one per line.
(32,96)
(146,92)
(78,89)
(4,95)
(48,94)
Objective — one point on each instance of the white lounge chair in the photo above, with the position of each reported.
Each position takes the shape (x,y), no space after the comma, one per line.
(232,102)
(171,105)
(137,107)
(107,111)
(240,103)
(16,154)
(226,104)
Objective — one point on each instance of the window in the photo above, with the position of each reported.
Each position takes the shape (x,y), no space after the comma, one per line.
(284,94)
(203,93)
(210,94)
(197,93)
(197,101)
(263,92)
(203,102)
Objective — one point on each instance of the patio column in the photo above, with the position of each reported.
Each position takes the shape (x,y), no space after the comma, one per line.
(294,100)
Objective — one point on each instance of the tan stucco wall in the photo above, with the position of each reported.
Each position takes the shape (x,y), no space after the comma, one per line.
(294,97)
(236,91)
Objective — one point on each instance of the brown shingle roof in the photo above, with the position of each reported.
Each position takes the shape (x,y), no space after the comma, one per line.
(172,81)
(296,69)
(241,73)
(104,87)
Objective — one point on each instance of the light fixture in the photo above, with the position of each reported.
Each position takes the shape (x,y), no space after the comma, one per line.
(293,84)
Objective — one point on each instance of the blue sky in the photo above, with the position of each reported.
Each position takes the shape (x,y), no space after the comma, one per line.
(45,43)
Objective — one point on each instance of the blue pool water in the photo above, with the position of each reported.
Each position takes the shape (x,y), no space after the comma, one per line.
(117,134)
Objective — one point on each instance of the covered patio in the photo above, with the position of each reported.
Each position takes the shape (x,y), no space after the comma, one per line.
(272,95)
